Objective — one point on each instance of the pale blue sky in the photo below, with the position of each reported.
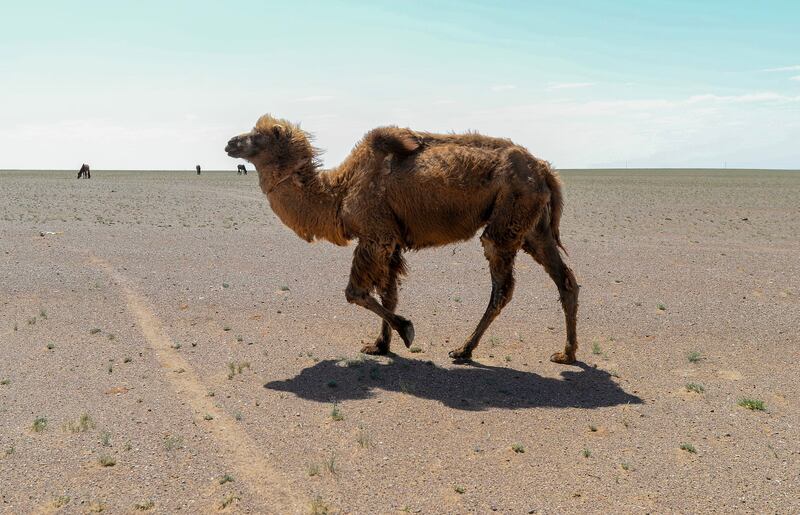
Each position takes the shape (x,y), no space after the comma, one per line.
(163,85)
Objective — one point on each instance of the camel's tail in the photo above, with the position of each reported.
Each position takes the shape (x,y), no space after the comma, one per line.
(392,140)
(556,203)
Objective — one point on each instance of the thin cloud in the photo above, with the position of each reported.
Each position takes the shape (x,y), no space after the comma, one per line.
(314,98)
(503,87)
(570,85)
(792,68)
(766,96)
(796,77)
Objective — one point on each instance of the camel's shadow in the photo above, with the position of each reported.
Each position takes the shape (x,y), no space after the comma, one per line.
(475,387)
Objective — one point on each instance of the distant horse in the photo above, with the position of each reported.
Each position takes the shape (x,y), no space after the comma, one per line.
(84,172)
(241,169)
(198,169)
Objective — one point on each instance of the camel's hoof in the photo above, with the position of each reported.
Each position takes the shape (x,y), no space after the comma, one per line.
(560,357)
(460,356)
(375,349)
(407,332)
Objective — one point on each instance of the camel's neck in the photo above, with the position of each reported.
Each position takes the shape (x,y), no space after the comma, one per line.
(308,203)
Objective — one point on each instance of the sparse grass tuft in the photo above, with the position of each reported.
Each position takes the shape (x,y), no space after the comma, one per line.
(459,489)
(336,413)
(313,470)
(5,381)
(228,500)
(51,346)
(173,442)
(318,506)
(94,330)
(237,368)
(688,448)
(625,466)
(107,461)
(596,350)
(693,357)
(226,328)
(586,453)
(43,314)
(227,478)
(144,506)
(83,424)
(105,439)
(695,387)
(518,448)
(39,425)
(752,404)
(362,438)
(661,307)
(60,501)
(592,428)
(330,464)
(208,416)
(351,362)
(414,349)
(284,287)
(128,359)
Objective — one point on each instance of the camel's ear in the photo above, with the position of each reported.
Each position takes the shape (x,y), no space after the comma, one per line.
(279,131)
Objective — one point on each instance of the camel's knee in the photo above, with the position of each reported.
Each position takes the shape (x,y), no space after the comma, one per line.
(355,294)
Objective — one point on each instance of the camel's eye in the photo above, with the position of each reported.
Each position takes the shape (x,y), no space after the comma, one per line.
(259,140)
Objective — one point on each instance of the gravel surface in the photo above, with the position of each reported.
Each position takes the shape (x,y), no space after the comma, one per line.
(216,360)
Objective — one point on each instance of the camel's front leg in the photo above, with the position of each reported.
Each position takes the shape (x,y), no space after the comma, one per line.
(389,300)
(373,268)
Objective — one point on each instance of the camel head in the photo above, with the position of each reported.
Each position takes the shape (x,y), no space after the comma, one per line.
(273,143)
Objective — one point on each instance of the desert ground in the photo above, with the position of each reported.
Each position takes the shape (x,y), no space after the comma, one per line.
(167,345)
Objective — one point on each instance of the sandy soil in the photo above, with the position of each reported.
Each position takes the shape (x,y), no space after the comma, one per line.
(208,346)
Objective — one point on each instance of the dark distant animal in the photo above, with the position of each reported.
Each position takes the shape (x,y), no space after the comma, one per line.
(241,169)
(404,190)
(84,172)
(198,169)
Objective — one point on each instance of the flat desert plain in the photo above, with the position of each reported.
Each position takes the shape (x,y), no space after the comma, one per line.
(166,344)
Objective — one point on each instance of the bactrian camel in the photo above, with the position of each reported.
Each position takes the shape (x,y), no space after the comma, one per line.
(402,190)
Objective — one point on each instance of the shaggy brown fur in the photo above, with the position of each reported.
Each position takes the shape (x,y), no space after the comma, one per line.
(403,190)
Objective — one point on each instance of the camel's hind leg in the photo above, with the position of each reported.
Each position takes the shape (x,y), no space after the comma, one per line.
(372,263)
(541,245)
(389,300)
(501,267)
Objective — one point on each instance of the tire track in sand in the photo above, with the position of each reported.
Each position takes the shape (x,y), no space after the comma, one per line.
(273,492)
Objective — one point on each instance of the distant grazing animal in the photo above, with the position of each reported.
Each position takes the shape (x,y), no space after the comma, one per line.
(403,190)
(84,172)
(198,169)
(241,169)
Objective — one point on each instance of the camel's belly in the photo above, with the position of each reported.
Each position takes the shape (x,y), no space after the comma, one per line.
(440,223)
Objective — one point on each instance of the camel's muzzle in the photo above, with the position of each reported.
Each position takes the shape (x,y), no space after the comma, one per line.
(235,147)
